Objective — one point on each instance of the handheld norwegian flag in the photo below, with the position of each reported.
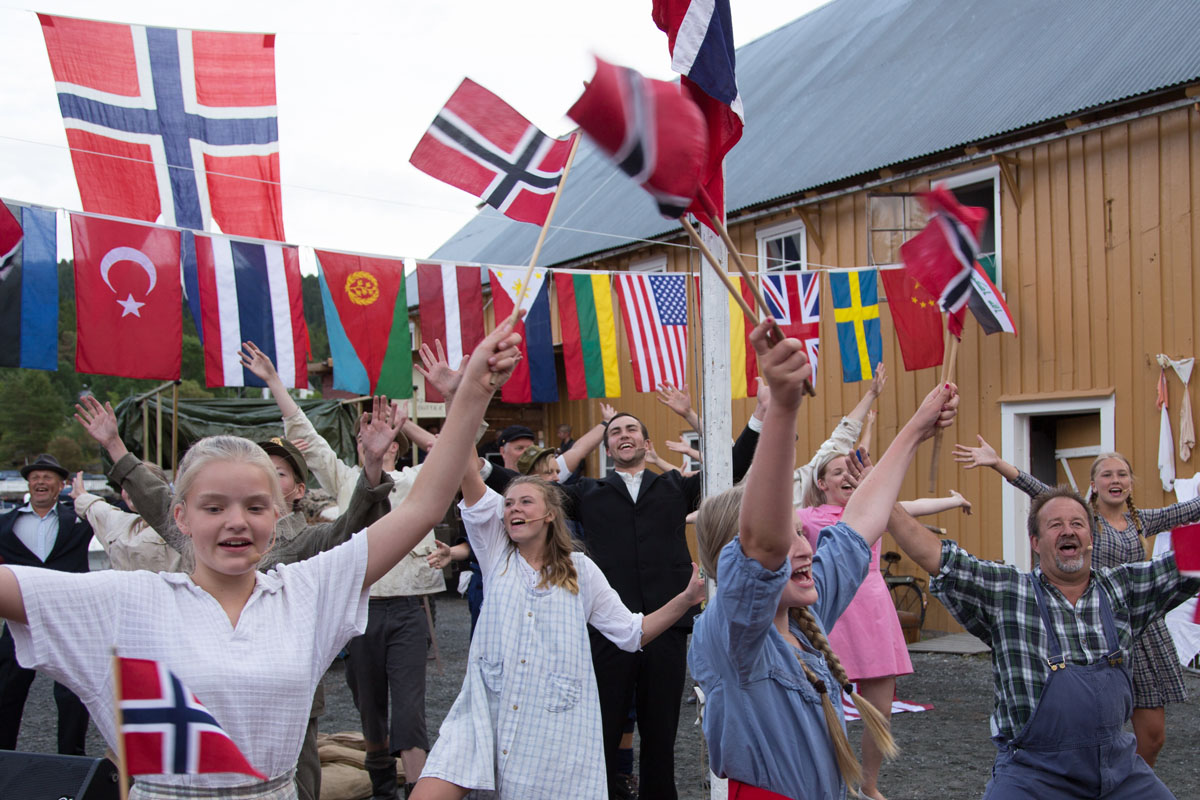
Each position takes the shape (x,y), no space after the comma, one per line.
(656,135)
(700,38)
(480,144)
(166,730)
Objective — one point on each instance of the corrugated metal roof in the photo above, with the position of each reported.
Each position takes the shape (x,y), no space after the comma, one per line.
(858,85)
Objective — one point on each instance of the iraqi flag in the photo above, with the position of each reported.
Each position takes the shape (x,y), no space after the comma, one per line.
(167,730)
(482,145)
(129,315)
(28,287)
(653,133)
(366,316)
(451,308)
(250,292)
(534,380)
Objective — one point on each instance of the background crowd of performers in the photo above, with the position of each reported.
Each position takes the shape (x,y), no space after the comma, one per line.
(583,597)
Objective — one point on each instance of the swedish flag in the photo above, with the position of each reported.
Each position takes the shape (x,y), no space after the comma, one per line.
(856,311)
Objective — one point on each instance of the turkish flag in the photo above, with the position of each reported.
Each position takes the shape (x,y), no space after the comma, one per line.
(916,317)
(129,314)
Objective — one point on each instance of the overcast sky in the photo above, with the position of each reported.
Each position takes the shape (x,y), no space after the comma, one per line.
(358,83)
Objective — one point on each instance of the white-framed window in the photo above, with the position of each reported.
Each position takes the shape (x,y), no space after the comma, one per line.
(981,187)
(782,246)
(892,219)
(1024,444)
(692,440)
(655,264)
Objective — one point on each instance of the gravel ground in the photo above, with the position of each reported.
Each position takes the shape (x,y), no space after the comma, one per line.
(946,752)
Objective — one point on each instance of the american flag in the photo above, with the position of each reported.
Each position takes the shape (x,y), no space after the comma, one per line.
(794,299)
(655,311)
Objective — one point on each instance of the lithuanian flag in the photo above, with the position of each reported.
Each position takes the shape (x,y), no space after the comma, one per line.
(589,333)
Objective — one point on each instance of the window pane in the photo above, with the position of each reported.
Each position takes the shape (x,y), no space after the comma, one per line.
(914,214)
(885,246)
(783,251)
(886,211)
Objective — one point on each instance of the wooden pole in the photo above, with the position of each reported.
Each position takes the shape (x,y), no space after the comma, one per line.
(122,762)
(947,377)
(174,428)
(437,656)
(537,248)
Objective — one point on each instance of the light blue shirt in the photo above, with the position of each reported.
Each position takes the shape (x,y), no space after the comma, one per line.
(763,720)
(37,533)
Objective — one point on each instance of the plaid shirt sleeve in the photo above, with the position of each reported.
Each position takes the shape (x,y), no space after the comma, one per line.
(1157,520)
(1029,484)
(971,588)
(1151,588)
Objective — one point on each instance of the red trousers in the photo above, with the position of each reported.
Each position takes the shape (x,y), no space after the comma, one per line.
(742,791)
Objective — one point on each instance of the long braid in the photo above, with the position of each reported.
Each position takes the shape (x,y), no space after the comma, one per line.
(1097,519)
(848,765)
(1133,512)
(878,724)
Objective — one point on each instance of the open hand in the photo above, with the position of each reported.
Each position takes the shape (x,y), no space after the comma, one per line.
(77,486)
(437,370)
(607,412)
(257,362)
(439,558)
(880,379)
(972,457)
(100,421)
(675,398)
(378,428)
(964,503)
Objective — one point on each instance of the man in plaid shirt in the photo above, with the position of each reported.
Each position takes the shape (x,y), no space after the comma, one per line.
(1059,635)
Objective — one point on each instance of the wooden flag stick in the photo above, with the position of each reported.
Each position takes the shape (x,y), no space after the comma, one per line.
(723,232)
(537,248)
(122,762)
(947,377)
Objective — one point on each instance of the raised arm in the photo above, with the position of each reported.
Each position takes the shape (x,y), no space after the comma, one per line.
(921,544)
(984,456)
(870,505)
(418,435)
(678,400)
(257,362)
(377,431)
(924,506)
(766,523)
(589,441)
(392,537)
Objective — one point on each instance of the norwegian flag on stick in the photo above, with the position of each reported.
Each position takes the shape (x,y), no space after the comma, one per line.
(482,145)
(162,729)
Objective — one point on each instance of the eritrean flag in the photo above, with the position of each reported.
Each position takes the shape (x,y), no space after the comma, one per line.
(589,333)
(366,317)
(534,380)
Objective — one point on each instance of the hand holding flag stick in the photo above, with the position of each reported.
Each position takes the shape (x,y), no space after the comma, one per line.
(947,377)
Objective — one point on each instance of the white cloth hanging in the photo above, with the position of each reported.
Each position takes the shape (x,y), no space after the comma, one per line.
(1187,429)
(1166,444)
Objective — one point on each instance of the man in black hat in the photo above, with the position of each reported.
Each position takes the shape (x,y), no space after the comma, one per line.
(42,533)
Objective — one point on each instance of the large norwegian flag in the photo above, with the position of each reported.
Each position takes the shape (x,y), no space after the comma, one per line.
(168,125)
(167,731)
(794,300)
(655,311)
(129,317)
(482,145)
(251,292)
(700,38)
(451,308)
(654,134)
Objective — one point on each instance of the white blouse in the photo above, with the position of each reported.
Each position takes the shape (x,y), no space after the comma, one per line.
(257,678)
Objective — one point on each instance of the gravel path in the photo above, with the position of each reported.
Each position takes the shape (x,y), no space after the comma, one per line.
(946,752)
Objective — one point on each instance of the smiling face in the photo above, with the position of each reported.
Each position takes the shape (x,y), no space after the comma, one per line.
(1064,540)
(44,487)
(800,590)
(526,516)
(511,451)
(229,515)
(835,482)
(625,440)
(292,489)
(1112,480)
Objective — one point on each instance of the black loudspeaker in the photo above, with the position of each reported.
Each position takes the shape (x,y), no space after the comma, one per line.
(37,776)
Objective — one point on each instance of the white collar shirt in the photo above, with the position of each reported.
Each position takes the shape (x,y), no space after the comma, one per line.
(633,482)
(37,533)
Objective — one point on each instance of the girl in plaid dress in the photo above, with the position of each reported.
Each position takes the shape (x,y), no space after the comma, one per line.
(527,722)
(1118,531)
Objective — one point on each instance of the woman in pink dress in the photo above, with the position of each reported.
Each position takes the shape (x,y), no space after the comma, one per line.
(867,637)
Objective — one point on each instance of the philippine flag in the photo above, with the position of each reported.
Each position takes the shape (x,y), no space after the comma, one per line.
(250,292)
(534,380)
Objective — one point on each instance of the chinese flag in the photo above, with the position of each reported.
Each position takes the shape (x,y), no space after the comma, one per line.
(916,317)
(129,315)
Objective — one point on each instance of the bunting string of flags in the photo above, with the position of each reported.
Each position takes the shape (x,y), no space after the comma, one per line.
(128,283)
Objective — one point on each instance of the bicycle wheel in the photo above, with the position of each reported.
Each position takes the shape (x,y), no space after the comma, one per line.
(910,604)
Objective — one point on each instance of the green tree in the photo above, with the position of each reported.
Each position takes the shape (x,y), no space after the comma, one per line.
(68,452)
(31,411)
